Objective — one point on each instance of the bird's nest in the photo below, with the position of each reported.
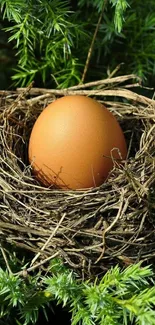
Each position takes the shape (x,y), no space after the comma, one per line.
(93,229)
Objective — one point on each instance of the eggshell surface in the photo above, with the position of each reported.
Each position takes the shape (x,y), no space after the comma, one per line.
(74,142)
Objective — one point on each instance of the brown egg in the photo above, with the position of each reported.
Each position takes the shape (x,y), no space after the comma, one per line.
(74,142)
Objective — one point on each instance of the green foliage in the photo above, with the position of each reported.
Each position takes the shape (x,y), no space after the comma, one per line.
(121,297)
(120,8)
(44,33)
(51,39)
(20,298)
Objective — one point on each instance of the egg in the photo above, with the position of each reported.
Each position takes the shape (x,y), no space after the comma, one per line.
(74,142)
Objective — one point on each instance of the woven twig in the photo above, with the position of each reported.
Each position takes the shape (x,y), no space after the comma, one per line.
(94,229)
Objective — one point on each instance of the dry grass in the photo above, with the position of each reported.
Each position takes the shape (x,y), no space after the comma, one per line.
(94,229)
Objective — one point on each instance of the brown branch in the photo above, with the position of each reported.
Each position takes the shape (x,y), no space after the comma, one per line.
(102,82)
(49,239)
(32,268)
(125,93)
(92,43)
(120,212)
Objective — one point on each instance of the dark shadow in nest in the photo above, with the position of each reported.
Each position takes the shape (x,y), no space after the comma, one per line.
(91,230)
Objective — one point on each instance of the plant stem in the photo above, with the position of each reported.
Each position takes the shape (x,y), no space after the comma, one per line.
(92,43)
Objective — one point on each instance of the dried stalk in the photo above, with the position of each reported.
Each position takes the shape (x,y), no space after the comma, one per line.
(93,41)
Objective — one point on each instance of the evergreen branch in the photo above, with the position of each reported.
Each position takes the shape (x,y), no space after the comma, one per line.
(43,42)
(120,8)
(21,297)
(121,297)
(12,9)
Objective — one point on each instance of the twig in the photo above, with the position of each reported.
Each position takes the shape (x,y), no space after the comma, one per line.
(8,92)
(109,80)
(5,259)
(23,229)
(103,82)
(93,41)
(26,271)
(13,105)
(120,212)
(49,239)
(34,100)
(125,93)
(115,70)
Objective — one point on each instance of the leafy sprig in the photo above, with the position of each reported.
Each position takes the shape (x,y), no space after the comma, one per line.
(43,33)
(121,297)
(20,298)
(120,8)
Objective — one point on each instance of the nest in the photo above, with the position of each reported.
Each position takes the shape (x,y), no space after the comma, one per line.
(90,230)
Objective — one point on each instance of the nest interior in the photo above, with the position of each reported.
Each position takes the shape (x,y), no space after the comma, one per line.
(94,229)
